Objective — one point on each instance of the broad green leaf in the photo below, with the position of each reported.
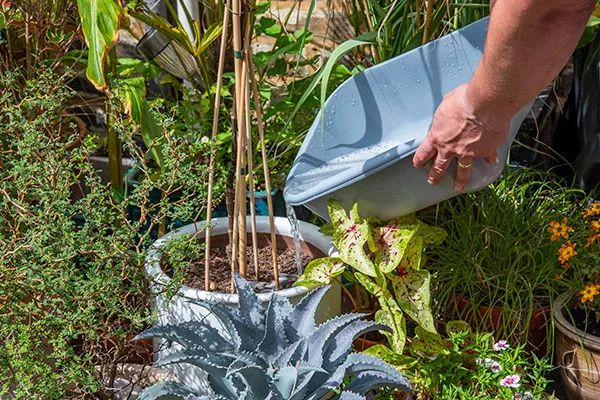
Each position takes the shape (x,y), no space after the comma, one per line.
(413,297)
(427,343)
(388,355)
(350,236)
(411,258)
(100,25)
(392,316)
(457,326)
(152,134)
(132,93)
(321,271)
(432,235)
(212,33)
(391,243)
(368,284)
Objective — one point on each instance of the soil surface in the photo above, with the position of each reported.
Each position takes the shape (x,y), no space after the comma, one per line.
(220,269)
(585,321)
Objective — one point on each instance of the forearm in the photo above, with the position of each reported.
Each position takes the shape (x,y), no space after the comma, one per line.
(528,43)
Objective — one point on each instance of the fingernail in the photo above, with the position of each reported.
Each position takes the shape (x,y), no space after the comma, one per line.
(459,188)
(431,181)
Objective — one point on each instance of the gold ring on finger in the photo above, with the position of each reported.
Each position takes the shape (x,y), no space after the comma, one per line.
(465,166)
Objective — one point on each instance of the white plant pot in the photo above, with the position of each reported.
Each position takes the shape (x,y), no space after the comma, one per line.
(179,309)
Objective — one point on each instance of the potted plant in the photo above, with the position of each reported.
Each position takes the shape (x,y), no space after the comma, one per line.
(577,311)
(277,352)
(496,270)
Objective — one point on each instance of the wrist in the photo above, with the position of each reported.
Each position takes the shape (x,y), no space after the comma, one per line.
(485,104)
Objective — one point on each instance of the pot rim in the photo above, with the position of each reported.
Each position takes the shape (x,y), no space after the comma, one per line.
(568,329)
(309,233)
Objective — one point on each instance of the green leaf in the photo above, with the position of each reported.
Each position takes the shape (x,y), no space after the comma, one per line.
(132,93)
(350,236)
(391,242)
(428,343)
(431,235)
(413,296)
(100,25)
(457,326)
(411,259)
(321,271)
(326,229)
(212,33)
(392,316)
(388,355)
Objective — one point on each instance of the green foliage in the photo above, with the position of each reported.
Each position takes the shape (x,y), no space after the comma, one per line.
(71,271)
(276,352)
(472,366)
(100,24)
(386,261)
(498,253)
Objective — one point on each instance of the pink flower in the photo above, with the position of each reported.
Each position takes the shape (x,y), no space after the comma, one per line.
(523,396)
(495,367)
(501,345)
(511,381)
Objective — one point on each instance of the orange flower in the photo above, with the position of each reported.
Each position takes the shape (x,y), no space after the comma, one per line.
(566,251)
(589,292)
(591,240)
(558,276)
(593,209)
(565,265)
(596,225)
(559,229)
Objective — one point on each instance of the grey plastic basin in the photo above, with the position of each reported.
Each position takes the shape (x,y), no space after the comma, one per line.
(360,146)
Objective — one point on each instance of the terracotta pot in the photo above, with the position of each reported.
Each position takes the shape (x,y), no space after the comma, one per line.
(577,354)
(536,332)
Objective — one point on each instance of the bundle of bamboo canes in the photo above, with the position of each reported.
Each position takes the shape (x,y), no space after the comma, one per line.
(246,86)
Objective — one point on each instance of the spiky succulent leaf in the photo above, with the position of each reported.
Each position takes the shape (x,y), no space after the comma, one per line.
(189,334)
(228,318)
(285,381)
(302,318)
(339,347)
(168,390)
(256,381)
(412,295)
(322,336)
(321,271)
(392,241)
(249,305)
(350,236)
(346,395)
(367,380)
(275,339)
(293,354)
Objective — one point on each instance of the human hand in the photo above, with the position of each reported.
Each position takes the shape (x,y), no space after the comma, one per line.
(461,129)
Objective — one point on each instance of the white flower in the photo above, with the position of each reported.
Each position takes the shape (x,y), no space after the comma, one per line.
(205,139)
(501,345)
(527,396)
(511,381)
(495,367)
(485,362)
(432,357)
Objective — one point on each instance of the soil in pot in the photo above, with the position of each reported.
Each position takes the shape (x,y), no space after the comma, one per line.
(220,272)
(584,320)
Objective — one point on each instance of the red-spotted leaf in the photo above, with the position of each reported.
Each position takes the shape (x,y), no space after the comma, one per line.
(321,272)
(429,344)
(432,235)
(351,234)
(411,258)
(392,241)
(413,297)
(392,316)
(369,285)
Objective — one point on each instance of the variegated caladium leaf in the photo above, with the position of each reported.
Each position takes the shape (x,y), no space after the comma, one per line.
(392,316)
(351,234)
(391,242)
(428,343)
(411,257)
(413,297)
(431,235)
(390,356)
(321,271)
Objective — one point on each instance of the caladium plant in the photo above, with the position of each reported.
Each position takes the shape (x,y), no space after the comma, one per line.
(386,260)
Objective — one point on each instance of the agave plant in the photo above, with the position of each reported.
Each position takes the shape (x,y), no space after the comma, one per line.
(274,353)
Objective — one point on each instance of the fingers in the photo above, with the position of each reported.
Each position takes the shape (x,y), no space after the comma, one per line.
(438,168)
(491,159)
(424,153)
(462,175)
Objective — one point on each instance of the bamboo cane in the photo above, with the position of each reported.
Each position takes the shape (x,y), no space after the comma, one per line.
(241,197)
(261,133)
(251,181)
(213,144)
(427,21)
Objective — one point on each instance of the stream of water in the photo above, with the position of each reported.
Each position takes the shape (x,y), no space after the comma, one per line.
(295,230)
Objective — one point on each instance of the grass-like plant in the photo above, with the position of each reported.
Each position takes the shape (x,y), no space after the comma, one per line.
(497,253)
